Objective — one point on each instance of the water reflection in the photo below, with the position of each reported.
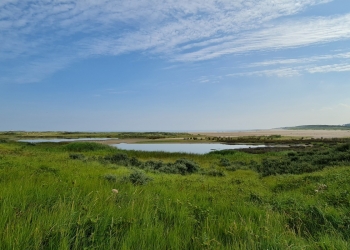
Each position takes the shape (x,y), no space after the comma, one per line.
(194,148)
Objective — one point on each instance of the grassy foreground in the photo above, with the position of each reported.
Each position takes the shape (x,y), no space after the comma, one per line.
(92,196)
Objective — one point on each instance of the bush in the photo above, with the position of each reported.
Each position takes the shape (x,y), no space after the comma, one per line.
(172,168)
(139,178)
(153,165)
(186,166)
(118,158)
(181,166)
(135,162)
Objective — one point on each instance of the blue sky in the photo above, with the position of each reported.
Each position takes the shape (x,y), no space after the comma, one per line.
(151,65)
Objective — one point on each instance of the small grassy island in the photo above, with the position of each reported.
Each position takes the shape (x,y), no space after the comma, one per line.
(88,195)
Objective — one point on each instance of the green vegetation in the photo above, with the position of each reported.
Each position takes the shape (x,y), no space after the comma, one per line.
(89,196)
(15,135)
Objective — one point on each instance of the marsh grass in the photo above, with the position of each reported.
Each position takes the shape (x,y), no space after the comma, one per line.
(49,200)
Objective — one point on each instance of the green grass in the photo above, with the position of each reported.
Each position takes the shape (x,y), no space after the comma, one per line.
(50,200)
(15,135)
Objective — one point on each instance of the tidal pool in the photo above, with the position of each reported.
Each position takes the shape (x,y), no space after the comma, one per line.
(193,148)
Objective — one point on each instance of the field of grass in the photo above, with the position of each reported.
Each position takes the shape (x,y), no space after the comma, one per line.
(16,135)
(85,195)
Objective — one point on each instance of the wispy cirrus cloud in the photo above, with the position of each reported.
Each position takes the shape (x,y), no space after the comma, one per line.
(327,63)
(39,32)
(282,36)
(301,60)
(279,72)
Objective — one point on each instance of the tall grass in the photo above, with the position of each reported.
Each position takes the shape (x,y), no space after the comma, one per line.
(49,200)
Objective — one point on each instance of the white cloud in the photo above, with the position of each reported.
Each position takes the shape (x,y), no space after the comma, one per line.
(286,35)
(279,72)
(330,68)
(36,70)
(297,66)
(181,30)
(302,60)
(296,70)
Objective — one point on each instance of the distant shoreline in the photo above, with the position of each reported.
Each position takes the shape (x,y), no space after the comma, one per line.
(283,132)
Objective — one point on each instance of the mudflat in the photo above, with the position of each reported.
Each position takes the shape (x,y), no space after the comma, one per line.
(282,132)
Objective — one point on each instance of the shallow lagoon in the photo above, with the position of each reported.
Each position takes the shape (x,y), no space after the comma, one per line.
(193,148)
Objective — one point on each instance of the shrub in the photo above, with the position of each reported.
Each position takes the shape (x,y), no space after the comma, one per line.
(172,168)
(187,166)
(135,162)
(181,166)
(153,165)
(139,178)
(118,158)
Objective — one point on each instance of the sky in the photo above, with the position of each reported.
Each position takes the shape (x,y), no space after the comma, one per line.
(173,65)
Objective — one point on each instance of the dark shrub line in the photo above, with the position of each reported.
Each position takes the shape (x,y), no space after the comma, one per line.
(180,166)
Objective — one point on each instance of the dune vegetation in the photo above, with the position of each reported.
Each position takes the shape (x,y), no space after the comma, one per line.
(84,195)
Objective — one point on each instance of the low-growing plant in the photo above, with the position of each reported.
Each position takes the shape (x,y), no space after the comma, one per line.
(187,166)
(119,159)
(180,166)
(135,162)
(139,178)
